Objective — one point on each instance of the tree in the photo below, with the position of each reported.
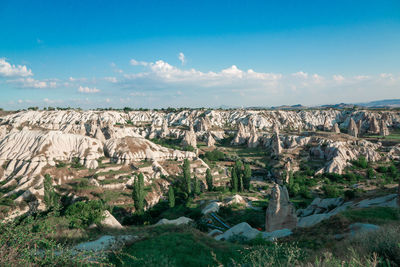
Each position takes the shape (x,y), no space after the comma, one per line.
(246,176)
(51,199)
(197,190)
(186,176)
(138,193)
(209,180)
(171,197)
(234,180)
(239,172)
(241,189)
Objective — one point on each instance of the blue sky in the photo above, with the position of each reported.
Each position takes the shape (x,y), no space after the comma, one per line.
(197,53)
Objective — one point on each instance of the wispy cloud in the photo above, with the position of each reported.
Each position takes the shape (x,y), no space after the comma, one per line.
(134,62)
(182,58)
(87,90)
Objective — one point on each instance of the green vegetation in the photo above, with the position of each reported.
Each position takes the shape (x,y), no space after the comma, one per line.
(209,180)
(214,155)
(76,163)
(172,143)
(186,176)
(138,193)
(197,189)
(361,163)
(51,199)
(375,215)
(178,246)
(171,197)
(22,244)
(83,214)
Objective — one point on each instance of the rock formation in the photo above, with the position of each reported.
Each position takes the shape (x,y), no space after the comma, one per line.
(276,142)
(383,131)
(280,213)
(327,124)
(253,139)
(336,128)
(352,130)
(360,127)
(210,140)
(373,126)
(127,149)
(241,136)
(190,138)
(288,169)
(164,129)
(203,125)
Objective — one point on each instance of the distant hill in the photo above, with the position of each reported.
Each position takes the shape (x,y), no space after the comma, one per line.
(386,103)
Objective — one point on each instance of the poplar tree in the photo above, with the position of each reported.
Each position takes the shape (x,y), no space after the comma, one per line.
(171,197)
(209,180)
(197,190)
(186,176)
(138,193)
(239,171)
(246,176)
(234,180)
(50,196)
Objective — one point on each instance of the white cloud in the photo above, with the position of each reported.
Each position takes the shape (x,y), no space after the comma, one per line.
(300,74)
(137,94)
(182,58)
(8,70)
(111,79)
(338,78)
(138,63)
(33,83)
(88,90)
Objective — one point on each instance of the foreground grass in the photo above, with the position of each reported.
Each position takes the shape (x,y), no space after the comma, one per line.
(176,246)
(375,215)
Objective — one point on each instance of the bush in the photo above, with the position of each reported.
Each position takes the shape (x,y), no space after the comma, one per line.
(82,214)
(21,246)
(331,191)
(76,163)
(361,162)
(214,155)
(274,254)
(351,194)
(382,169)
(385,242)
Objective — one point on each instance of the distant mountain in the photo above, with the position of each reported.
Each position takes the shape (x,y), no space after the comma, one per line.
(386,103)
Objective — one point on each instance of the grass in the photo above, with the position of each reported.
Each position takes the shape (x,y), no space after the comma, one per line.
(178,246)
(112,172)
(375,215)
(256,218)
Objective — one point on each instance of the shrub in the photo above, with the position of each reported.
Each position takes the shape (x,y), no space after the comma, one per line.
(370,173)
(171,197)
(51,199)
(331,191)
(209,180)
(274,254)
(82,214)
(61,164)
(76,163)
(138,193)
(21,246)
(385,242)
(361,162)
(214,155)
(382,169)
